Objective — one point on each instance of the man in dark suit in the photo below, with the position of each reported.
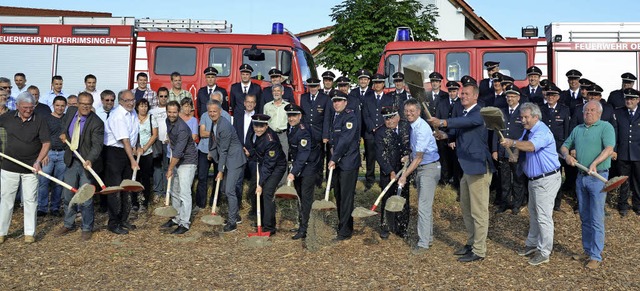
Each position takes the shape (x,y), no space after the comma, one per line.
(451,171)
(317,115)
(498,98)
(486,85)
(371,107)
(276,78)
(472,147)
(244,130)
(242,88)
(327,82)
(434,95)
(533,92)
(617,97)
(627,151)
(573,78)
(226,150)
(85,131)
(557,117)
(400,94)
(204,93)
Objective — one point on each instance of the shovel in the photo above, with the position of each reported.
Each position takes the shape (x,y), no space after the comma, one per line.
(167,210)
(287,192)
(395,203)
(84,193)
(258,236)
(609,185)
(494,120)
(104,189)
(213,218)
(132,185)
(360,212)
(325,204)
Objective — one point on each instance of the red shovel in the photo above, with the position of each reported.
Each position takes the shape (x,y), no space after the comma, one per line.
(609,185)
(105,190)
(260,233)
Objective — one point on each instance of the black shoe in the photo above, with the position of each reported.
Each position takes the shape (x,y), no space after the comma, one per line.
(515,210)
(135,208)
(637,212)
(41,214)
(118,230)
(299,235)
(239,220)
(384,234)
(623,212)
(501,209)
(340,238)
(470,257)
(229,227)
(367,186)
(556,208)
(180,230)
(466,249)
(57,213)
(294,230)
(168,224)
(128,226)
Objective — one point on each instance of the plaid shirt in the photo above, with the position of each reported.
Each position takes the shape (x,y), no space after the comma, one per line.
(150,95)
(183,94)
(11,103)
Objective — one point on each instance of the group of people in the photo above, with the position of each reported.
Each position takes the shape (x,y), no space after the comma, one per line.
(265,138)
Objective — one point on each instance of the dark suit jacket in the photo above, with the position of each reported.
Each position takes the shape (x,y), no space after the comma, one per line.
(238,125)
(445,108)
(616,99)
(536,98)
(371,112)
(484,87)
(203,98)
(471,139)
(432,103)
(627,135)
(317,115)
(236,97)
(225,147)
(91,139)
(558,122)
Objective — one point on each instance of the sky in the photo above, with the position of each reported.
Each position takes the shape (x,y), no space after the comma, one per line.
(507,17)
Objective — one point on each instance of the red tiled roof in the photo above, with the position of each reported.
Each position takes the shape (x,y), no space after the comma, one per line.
(23,11)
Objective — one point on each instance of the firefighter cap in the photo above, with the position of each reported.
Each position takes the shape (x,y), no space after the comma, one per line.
(552,89)
(260,119)
(506,80)
(546,84)
(497,77)
(628,78)
(328,75)
(275,73)
(574,74)
(210,71)
(512,89)
(631,93)
(453,85)
(338,95)
(378,78)
(363,73)
(594,89)
(246,68)
(311,82)
(435,76)
(397,77)
(584,83)
(292,108)
(533,70)
(343,81)
(388,112)
(489,65)
(468,80)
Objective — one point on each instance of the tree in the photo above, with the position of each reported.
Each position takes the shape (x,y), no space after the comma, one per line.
(363,27)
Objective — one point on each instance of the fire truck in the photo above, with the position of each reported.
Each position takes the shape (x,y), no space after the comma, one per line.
(601,51)
(115,49)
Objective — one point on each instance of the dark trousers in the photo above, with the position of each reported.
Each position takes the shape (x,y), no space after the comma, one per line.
(512,185)
(631,169)
(203,178)
(560,195)
(496,184)
(117,168)
(370,156)
(345,188)
(144,176)
(267,199)
(395,222)
(251,178)
(451,170)
(304,185)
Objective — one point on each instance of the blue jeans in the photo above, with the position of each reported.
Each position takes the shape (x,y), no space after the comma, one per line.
(55,167)
(76,176)
(591,206)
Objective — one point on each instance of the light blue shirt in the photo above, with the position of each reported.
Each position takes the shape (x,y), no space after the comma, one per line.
(422,140)
(544,158)
(205,120)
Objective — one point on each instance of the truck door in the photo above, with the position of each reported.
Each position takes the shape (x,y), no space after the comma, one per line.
(166,58)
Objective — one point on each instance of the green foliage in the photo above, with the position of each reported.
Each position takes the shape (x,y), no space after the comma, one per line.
(363,27)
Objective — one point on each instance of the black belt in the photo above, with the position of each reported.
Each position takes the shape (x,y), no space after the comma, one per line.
(280,131)
(57,150)
(544,175)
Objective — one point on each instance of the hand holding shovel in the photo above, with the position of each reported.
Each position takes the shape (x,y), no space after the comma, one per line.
(609,185)
(105,190)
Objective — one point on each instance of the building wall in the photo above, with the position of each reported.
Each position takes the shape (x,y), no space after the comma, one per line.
(450,22)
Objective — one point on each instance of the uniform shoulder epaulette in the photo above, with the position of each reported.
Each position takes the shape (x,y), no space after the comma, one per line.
(348,110)
(302,126)
(269,136)
(380,126)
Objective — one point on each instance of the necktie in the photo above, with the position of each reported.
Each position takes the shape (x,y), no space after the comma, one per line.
(108,112)
(378,100)
(573,95)
(326,92)
(75,136)
(244,89)
(631,113)
(313,98)
(361,93)
(490,83)
(210,91)
(510,112)
(464,112)
(533,91)
(526,135)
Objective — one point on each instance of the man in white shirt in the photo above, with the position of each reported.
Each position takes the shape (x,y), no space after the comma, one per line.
(21,84)
(90,82)
(160,165)
(56,90)
(107,98)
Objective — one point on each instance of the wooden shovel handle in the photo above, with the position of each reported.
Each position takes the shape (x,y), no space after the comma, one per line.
(41,173)
(215,198)
(258,214)
(93,173)
(326,192)
(168,195)
(508,149)
(595,174)
(375,205)
(135,171)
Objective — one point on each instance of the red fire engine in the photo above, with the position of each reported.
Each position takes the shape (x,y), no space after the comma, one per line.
(601,51)
(116,49)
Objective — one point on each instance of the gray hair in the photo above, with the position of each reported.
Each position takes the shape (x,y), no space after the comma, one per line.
(5,80)
(214,102)
(533,108)
(278,86)
(25,97)
(217,93)
(599,107)
(122,92)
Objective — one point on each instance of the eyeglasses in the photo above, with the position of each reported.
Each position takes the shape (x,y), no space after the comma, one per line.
(127,100)
(86,104)
(109,100)
(6,87)
(163,96)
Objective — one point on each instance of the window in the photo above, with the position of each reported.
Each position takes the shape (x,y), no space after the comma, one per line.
(261,68)
(220,58)
(457,66)
(285,63)
(421,63)
(307,65)
(175,59)
(512,64)
(391,66)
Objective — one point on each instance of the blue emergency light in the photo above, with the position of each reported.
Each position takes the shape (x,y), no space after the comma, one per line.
(403,34)
(277,28)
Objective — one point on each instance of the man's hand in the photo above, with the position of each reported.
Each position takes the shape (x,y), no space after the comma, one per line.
(513,158)
(220,176)
(440,135)
(44,161)
(404,159)
(402,181)
(325,140)
(140,151)
(494,155)
(614,156)
(134,165)
(435,122)
(392,175)
(573,153)
(332,165)
(506,143)
(87,164)
(571,161)
(452,145)
(209,157)
(593,169)
(291,177)
(36,167)
(169,173)
(259,190)
(246,152)
(63,138)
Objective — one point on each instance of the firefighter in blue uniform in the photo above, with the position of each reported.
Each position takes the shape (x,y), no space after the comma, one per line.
(317,108)
(345,160)
(276,78)
(242,88)
(582,98)
(272,164)
(499,97)
(434,95)
(327,82)
(400,94)
(451,171)
(617,97)
(557,117)
(392,145)
(304,157)
(486,85)
(533,92)
(627,151)
(573,79)
(371,107)
(204,93)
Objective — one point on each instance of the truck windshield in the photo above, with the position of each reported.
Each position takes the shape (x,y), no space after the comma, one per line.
(423,63)
(261,68)
(307,66)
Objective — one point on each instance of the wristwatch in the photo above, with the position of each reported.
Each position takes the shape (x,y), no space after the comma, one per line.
(441,123)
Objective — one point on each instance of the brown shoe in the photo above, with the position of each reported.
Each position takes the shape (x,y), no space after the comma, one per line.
(86,235)
(29,239)
(63,231)
(592,265)
(581,257)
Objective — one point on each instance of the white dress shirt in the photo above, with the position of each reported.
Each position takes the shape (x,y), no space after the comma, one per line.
(120,125)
